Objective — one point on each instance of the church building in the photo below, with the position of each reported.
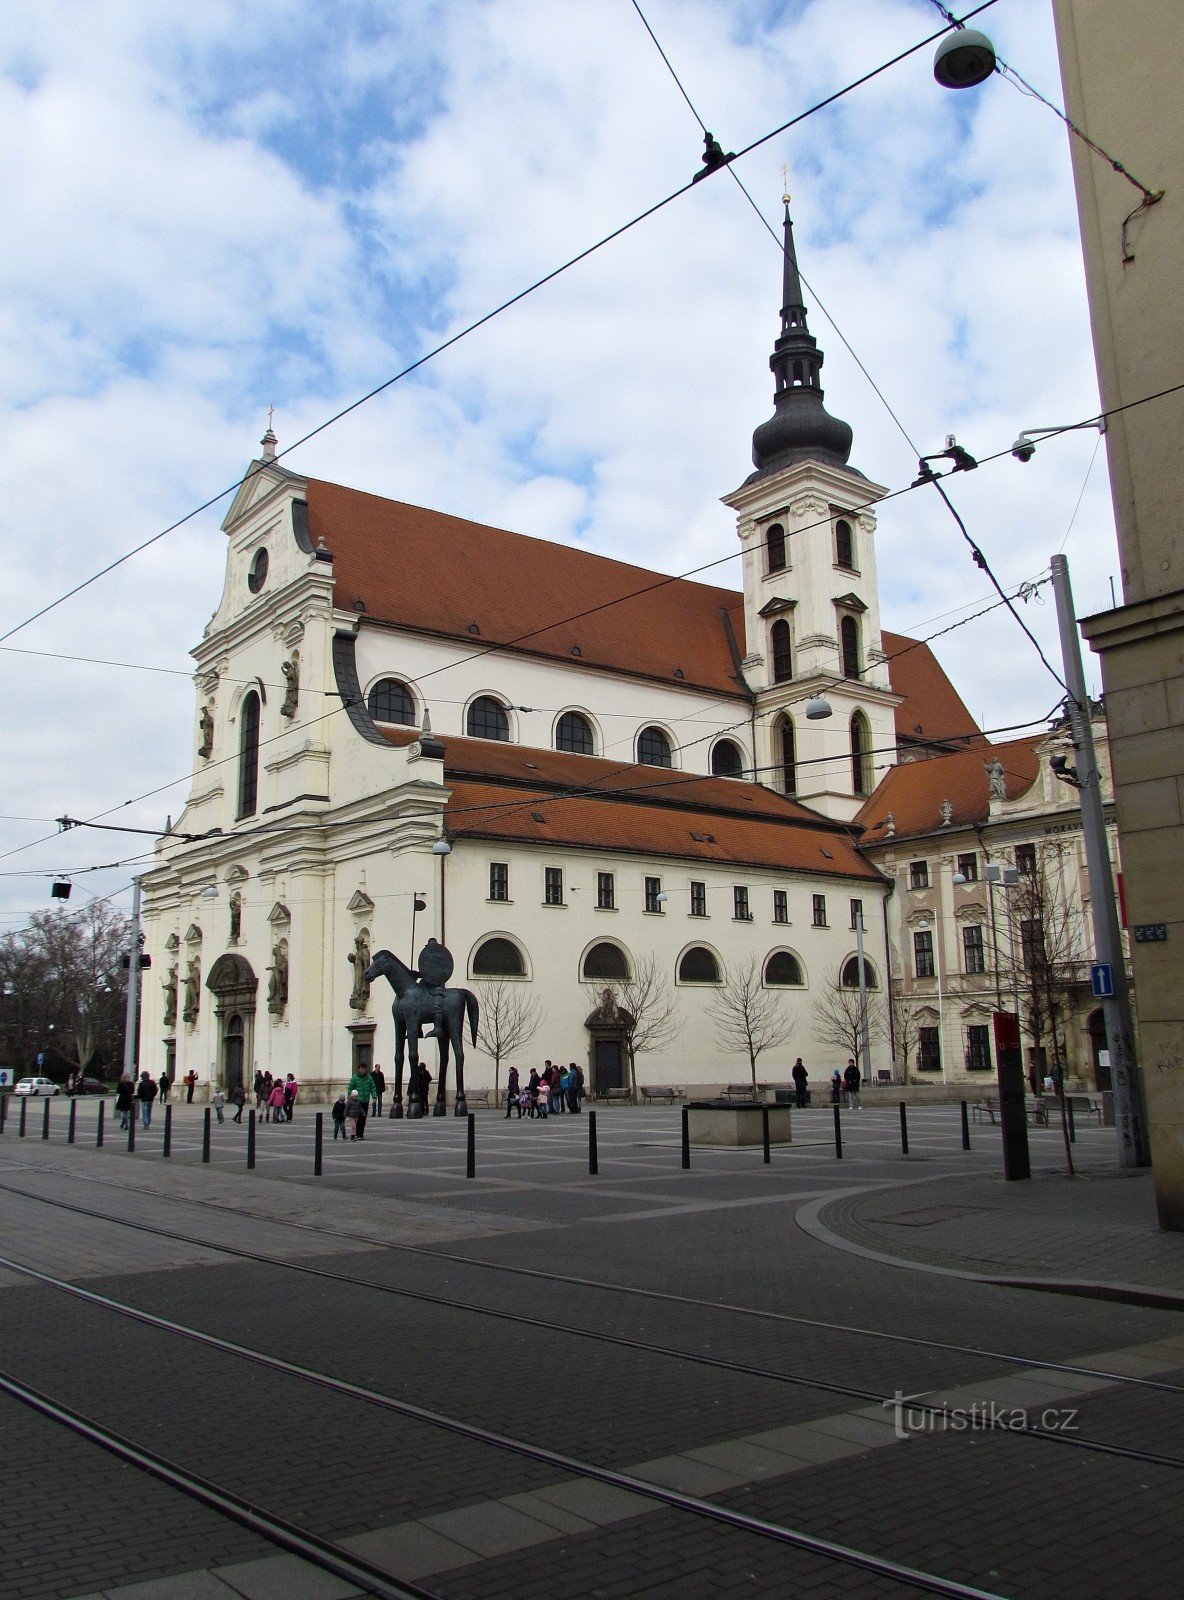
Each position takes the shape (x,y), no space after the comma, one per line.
(578,773)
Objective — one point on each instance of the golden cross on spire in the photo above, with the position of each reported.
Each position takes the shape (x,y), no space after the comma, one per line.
(270,416)
(784,184)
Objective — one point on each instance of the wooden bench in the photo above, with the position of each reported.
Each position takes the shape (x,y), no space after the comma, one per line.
(739,1091)
(1036,1111)
(664,1092)
(623,1093)
(479,1097)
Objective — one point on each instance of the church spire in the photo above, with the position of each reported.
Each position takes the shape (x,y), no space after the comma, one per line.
(801,428)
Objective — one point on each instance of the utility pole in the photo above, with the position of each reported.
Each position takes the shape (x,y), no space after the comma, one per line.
(1130,1118)
(864,1031)
(133,986)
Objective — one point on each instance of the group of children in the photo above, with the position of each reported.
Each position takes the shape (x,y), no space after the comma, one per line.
(548,1092)
(276,1096)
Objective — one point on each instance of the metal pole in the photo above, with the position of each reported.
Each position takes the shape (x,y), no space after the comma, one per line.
(3,1111)
(965,1128)
(686,1138)
(593,1157)
(1130,1118)
(99,1127)
(168,1131)
(45,1122)
(838,1136)
(318,1144)
(864,1035)
(205,1137)
(1068,1104)
(24,1109)
(904,1129)
(765,1132)
(133,987)
(131,1125)
(251,1140)
(471,1150)
(70,1129)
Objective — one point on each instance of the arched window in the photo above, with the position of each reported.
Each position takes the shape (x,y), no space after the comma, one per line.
(248,756)
(727,759)
(606,961)
(850,977)
(498,958)
(389,701)
(653,748)
(487,719)
(845,544)
(574,732)
(775,548)
(781,647)
(861,755)
(783,971)
(849,640)
(787,755)
(698,965)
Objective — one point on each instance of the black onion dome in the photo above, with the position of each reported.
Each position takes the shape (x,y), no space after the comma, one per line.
(801,428)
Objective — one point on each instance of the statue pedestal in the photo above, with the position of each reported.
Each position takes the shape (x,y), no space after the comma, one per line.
(721,1122)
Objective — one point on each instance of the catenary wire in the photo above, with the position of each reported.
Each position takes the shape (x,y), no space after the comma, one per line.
(488,316)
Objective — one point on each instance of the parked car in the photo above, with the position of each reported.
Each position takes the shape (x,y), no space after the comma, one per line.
(89,1086)
(38,1086)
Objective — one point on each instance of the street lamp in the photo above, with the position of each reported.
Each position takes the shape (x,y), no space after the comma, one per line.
(441,850)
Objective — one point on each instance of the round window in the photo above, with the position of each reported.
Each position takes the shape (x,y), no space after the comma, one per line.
(257,576)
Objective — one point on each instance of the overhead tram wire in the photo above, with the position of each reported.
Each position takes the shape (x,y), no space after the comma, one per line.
(488,316)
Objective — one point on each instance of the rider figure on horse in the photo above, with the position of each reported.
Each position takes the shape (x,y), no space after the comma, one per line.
(435,969)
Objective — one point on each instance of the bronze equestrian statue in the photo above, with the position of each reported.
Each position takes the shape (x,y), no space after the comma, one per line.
(423,1001)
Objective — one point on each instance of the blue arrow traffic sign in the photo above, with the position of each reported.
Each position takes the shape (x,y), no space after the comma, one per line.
(1101,977)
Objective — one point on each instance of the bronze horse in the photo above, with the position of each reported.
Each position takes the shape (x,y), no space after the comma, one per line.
(417,1007)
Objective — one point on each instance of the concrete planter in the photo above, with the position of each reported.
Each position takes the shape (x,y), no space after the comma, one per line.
(722,1123)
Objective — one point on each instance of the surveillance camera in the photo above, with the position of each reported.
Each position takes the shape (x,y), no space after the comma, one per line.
(1058,763)
(1023,449)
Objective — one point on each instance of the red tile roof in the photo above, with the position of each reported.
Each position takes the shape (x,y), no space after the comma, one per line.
(932,708)
(913,791)
(499,790)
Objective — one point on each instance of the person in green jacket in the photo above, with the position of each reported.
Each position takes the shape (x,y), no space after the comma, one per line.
(362,1084)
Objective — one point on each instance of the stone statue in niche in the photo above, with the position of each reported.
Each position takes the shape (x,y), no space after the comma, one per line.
(360,958)
(236,917)
(291,672)
(170,998)
(192,990)
(277,983)
(996,779)
(205,729)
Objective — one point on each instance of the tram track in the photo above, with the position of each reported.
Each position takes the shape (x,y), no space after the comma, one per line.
(354,1237)
(936,1412)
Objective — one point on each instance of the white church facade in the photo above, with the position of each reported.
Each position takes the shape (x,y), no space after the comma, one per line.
(571,769)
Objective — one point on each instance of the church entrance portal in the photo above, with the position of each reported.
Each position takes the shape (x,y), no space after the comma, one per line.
(608,1066)
(608,1028)
(234,985)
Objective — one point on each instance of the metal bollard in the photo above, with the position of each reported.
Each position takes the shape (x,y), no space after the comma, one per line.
(251,1140)
(45,1122)
(318,1144)
(904,1129)
(686,1139)
(24,1113)
(965,1128)
(99,1127)
(70,1129)
(765,1132)
(838,1136)
(1068,1109)
(205,1137)
(3,1111)
(168,1131)
(593,1157)
(131,1127)
(471,1151)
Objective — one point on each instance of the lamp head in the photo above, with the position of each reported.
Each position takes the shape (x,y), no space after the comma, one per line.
(818,707)
(441,848)
(964,58)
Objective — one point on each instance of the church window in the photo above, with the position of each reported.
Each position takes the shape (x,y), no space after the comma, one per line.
(257,576)
(553,886)
(849,641)
(573,732)
(775,547)
(606,891)
(698,898)
(780,905)
(781,646)
(698,965)
(653,748)
(606,961)
(498,958)
(861,755)
(499,880)
(389,701)
(248,757)
(787,754)
(783,971)
(653,896)
(819,910)
(487,719)
(850,978)
(727,759)
(845,544)
(740,907)
(923,954)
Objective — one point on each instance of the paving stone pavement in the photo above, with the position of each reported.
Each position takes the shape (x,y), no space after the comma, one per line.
(788,1269)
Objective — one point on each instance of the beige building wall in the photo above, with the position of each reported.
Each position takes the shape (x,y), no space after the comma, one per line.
(1121,70)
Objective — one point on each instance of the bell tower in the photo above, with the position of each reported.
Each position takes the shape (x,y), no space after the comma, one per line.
(811,604)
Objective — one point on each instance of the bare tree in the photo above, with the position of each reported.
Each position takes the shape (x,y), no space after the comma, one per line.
(747,1016)
(510,1018)
(904,1013)
(648,1012)
(837,1018)
(64,987)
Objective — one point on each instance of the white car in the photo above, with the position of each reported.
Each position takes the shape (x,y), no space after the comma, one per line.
(38,1086)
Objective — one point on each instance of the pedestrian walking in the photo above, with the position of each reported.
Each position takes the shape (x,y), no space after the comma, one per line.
(353,1109)
(851,1081)
(338,1115)
(239,1096)
(146,1094)
(189,1080)
(513,1090)
(362,1085)
(260,1089)
(379,1079)
(219,1102)
(125,1100)
(165,1085)
(275,1103)
(800,1079)
(291,1090)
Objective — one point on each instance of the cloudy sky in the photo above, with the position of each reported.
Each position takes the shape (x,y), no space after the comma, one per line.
(209,210)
